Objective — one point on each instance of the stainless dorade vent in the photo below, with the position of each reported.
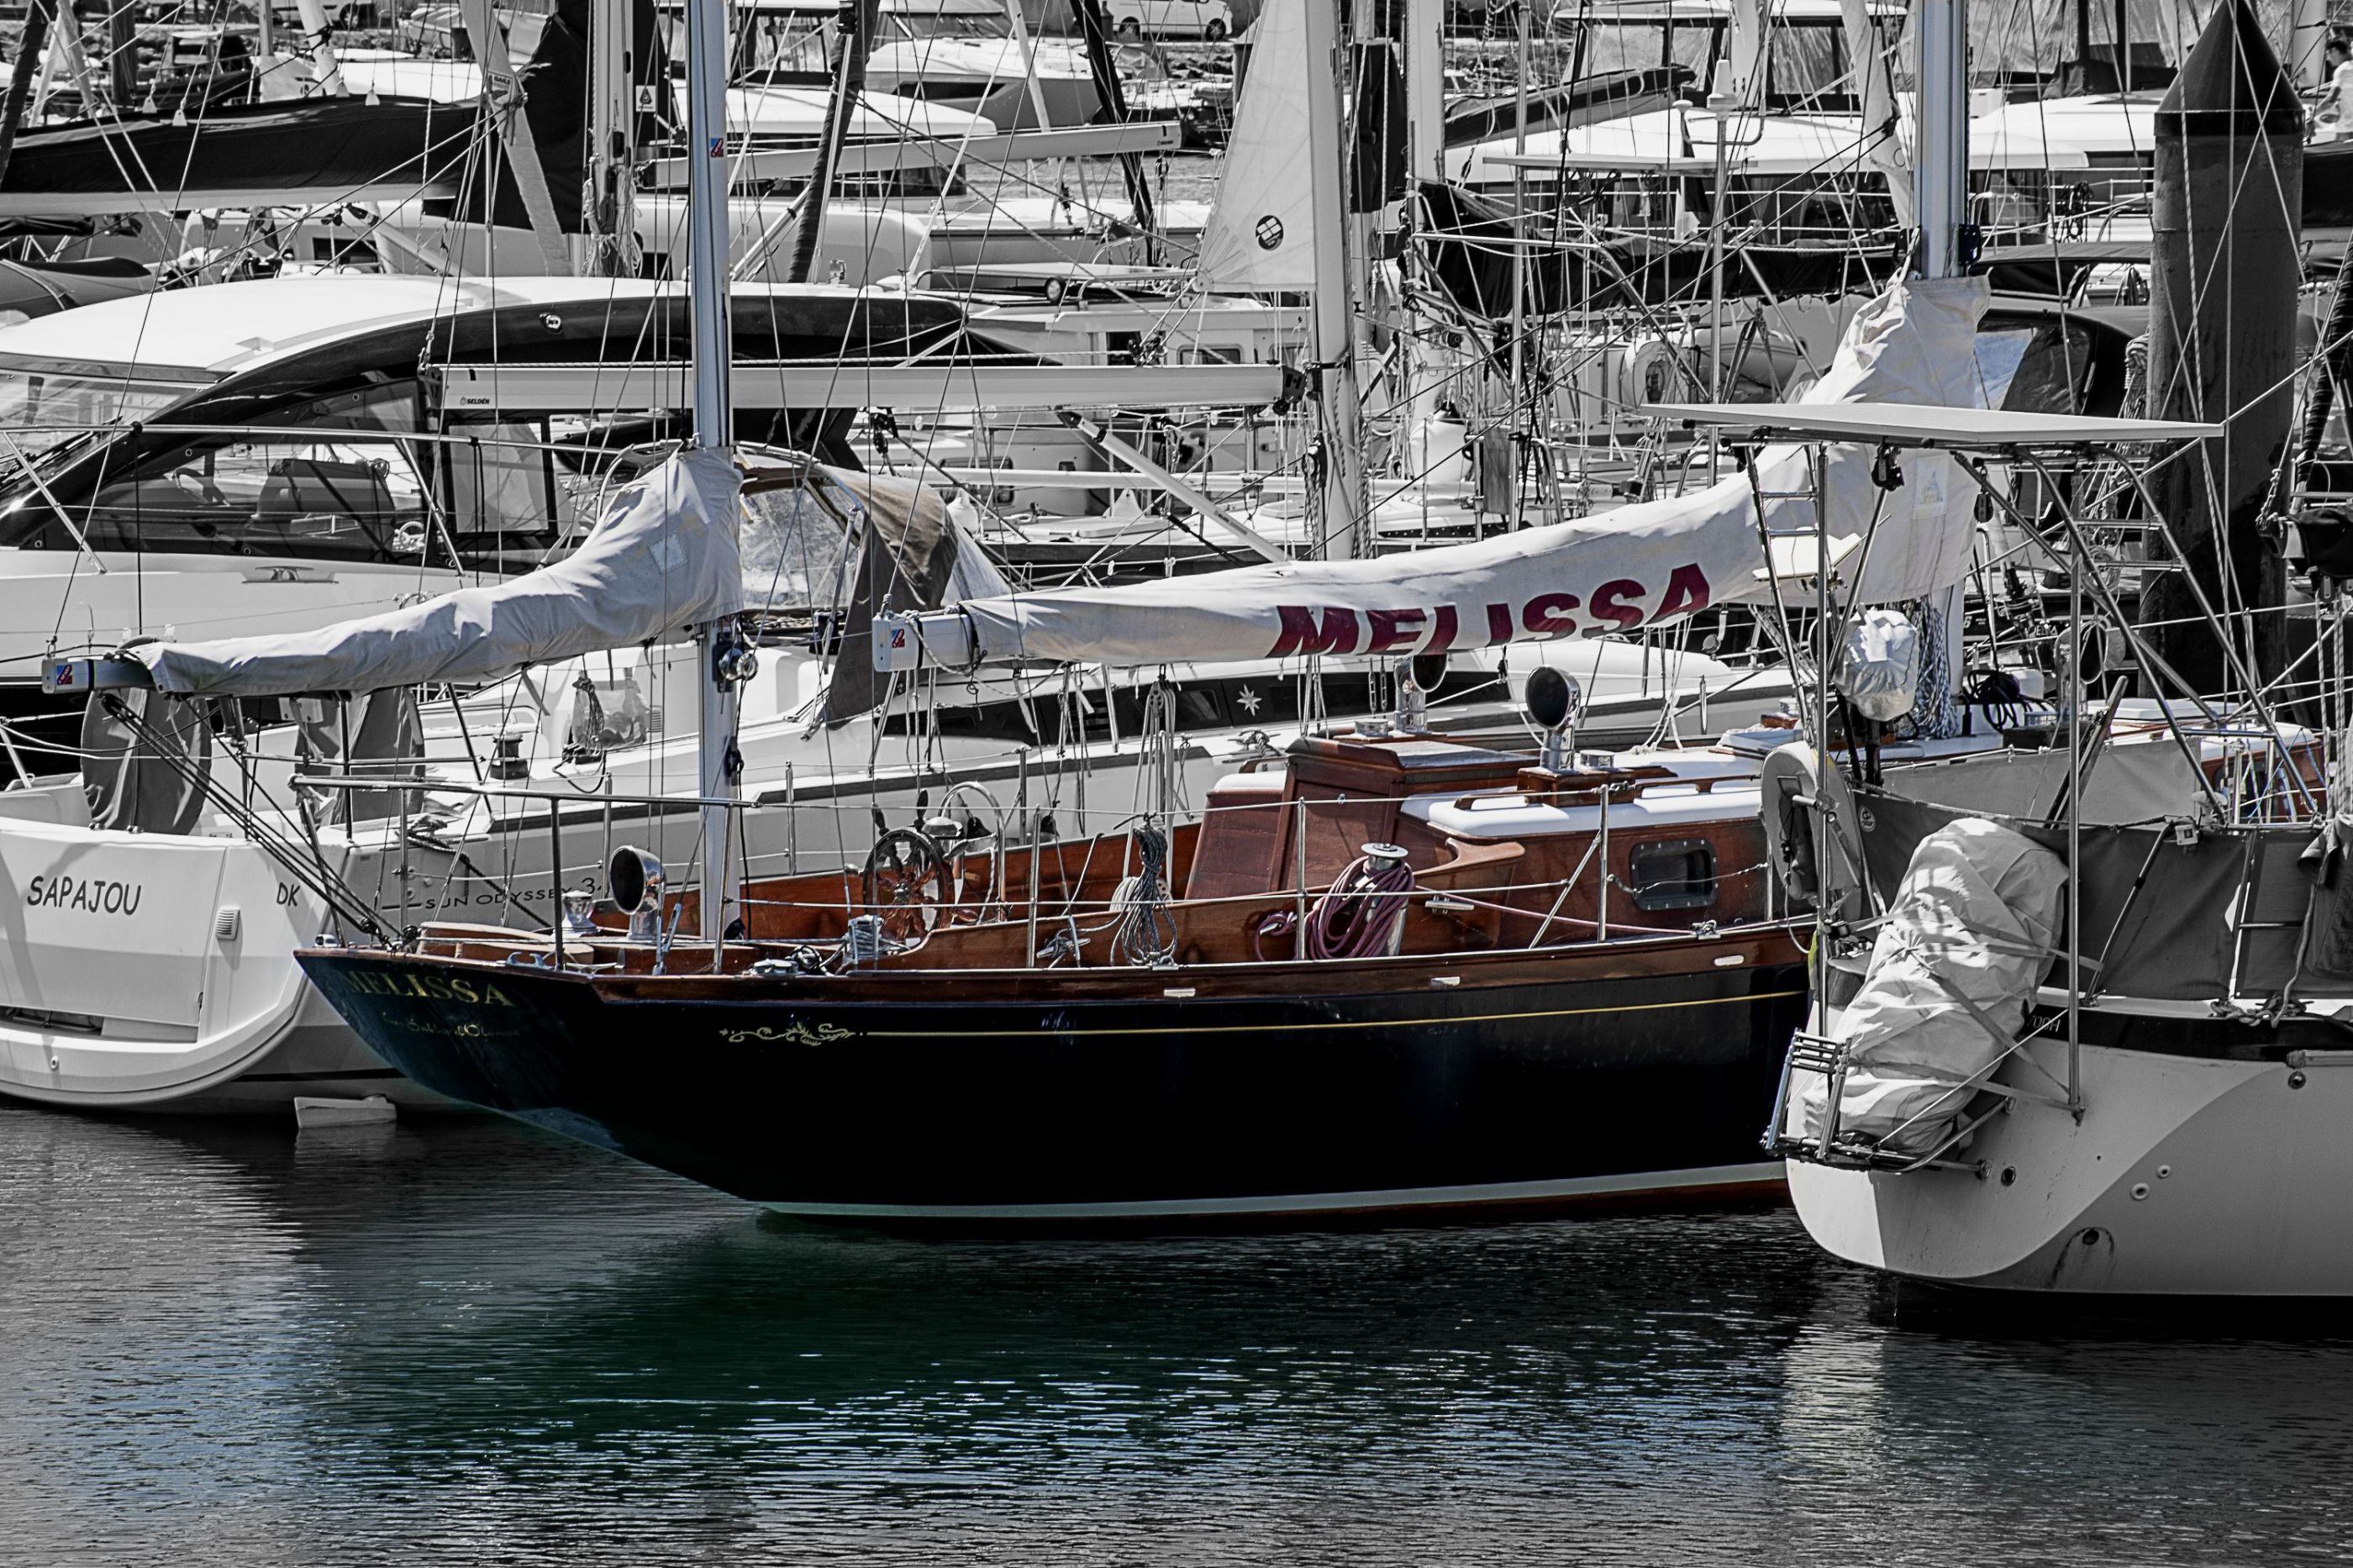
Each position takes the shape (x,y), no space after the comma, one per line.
(635,880)
(1553,700)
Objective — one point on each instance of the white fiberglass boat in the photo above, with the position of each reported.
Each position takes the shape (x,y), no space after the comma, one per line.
(2191,1141)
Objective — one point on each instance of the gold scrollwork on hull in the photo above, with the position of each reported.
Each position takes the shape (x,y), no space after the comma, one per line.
(793,1034)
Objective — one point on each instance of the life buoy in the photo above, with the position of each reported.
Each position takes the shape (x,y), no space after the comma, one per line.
(1813,867)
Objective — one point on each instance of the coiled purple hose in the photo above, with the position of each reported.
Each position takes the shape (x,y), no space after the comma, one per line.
(1358,915)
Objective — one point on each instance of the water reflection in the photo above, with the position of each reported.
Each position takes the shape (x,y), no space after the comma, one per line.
(465,1340)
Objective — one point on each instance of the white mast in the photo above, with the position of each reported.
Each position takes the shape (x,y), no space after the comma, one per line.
(1874,97)
(1940,199)
(706,233)
(1021,34)
(502,100)
(1744,53)
(612,161)
(2307,37)
(1343,524)
(318,36)
(1425,89)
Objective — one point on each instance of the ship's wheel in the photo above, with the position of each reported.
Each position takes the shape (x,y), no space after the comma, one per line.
(906,882)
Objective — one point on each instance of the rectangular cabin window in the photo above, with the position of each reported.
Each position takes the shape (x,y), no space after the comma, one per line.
(43,403)
(351,490)
(337,495)
(508,491)
(1806,69)
(1673,874)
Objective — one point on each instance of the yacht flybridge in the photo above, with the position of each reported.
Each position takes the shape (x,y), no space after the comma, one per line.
(1784,89)
(978,55)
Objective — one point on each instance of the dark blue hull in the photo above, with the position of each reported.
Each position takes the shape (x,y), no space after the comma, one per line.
(924,1097)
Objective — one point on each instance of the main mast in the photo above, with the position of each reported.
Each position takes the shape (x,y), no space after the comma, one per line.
(1947,244)
(706,203)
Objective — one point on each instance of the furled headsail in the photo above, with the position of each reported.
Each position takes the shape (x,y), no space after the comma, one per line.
(664,558)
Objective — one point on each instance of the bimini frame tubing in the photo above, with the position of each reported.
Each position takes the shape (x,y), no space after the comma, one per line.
(1973,435)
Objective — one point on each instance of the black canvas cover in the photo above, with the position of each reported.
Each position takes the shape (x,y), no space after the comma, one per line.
(2156,910)
(2328,186)
(908,552)
(1607,96)
(1467,242)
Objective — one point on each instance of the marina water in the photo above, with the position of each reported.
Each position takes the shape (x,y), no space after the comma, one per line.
(458,1342)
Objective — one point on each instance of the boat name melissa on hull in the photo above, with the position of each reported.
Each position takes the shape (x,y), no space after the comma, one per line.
(1335,628)
(432,987)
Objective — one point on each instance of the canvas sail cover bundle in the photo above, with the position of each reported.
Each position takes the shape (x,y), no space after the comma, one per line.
(1614,572)
(1966,940)
(1260,236)
(663,558)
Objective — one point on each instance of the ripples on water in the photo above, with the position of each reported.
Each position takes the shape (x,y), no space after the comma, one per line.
(463,1342)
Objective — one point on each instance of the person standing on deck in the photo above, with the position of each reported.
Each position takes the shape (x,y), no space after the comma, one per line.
(2334,109)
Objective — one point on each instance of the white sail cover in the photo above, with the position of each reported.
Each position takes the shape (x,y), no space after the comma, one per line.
(1965,941)
(1261,236)
(1611,573)
(663,558)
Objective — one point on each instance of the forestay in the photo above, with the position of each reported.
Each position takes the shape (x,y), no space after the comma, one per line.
(1616,572)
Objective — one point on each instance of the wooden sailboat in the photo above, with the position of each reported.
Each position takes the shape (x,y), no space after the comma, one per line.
(1402,973)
